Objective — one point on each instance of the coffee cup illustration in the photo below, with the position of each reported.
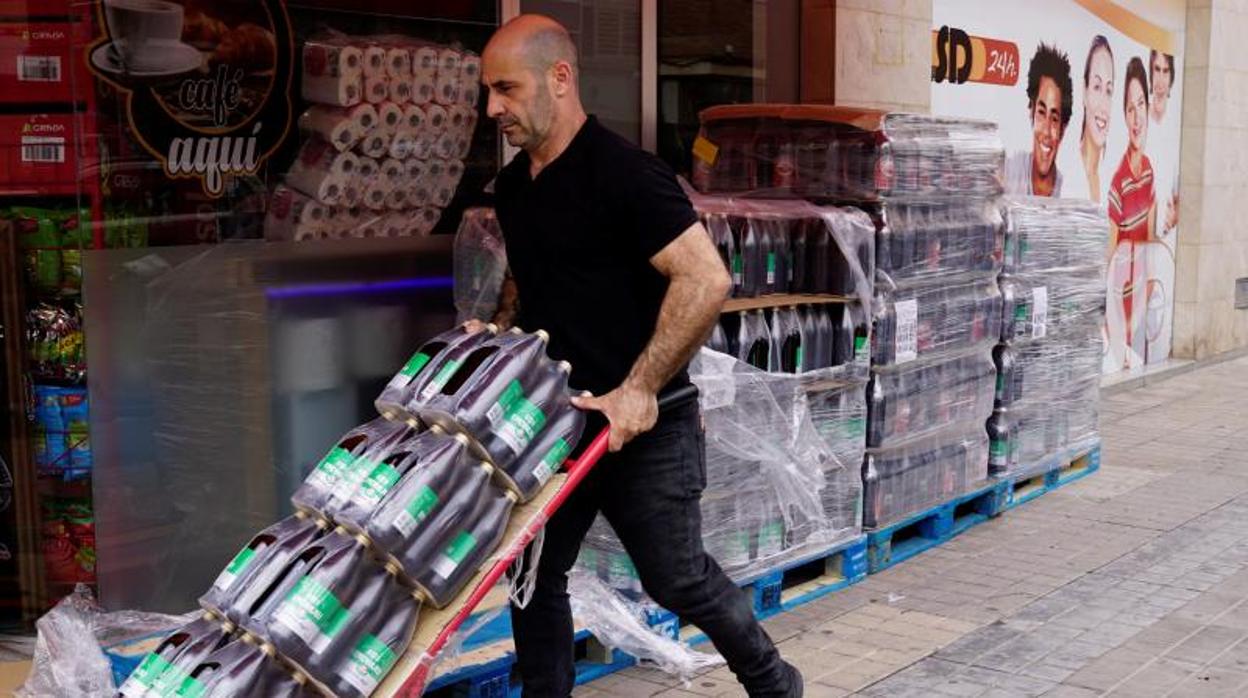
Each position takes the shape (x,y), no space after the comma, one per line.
(145,33)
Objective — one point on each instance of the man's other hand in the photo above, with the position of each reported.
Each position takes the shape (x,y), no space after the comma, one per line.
(630,410)
(474,326)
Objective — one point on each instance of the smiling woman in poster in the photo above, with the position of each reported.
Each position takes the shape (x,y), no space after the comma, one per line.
(1098,94)
(1132,212)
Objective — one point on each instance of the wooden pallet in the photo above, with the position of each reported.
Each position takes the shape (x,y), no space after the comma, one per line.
(902,540)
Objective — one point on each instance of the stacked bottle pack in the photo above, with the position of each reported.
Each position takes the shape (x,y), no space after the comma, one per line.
(937,314)
(400,514)
(786,246)
(1049,357)
(840,154)
(389,127)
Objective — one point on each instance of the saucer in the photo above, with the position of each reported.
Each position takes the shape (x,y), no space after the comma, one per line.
(176,59)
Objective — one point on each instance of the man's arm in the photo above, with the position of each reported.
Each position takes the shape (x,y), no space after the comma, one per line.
(505,314)
(697,287)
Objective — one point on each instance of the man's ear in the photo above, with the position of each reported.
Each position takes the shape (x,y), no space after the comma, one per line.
(563,75)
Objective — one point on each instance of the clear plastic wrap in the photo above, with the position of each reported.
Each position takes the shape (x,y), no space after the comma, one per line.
(916,401)
(818,151)
(923,473)
(1051,304)
(480,265)
(1044,371)
(70,659)
(922,243)
(934,321)
(1032,439)
(1043,234)
(620,624)
(790,246)
(805,339)
(782,462)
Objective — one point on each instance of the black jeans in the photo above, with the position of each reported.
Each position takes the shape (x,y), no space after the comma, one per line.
(649,493)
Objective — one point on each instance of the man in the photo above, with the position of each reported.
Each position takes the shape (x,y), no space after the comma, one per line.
(1049,105)
(1164,145)
(608,256)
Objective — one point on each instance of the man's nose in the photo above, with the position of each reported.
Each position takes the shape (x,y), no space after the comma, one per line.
(493,105)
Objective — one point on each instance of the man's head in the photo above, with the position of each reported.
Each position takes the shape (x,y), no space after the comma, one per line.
(1161,73)
(529,71)
(1049,94)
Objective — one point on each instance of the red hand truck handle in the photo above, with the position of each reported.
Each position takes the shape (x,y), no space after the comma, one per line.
(577,469)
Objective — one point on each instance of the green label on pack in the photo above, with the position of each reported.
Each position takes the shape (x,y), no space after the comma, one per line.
(552,460)
(1021,313)
(313,613)
(330,470)
(771,268)
(413,365)
(516,420)
(189,688)
(1000,384)
(738,269)
(450,559)
(800,359)
(376,485)
(856,427)
(997,450)
(860,348)
(440,379)
(416,510)
(167,683)
(146,675)
(368,664)
(770,537)
(235,568)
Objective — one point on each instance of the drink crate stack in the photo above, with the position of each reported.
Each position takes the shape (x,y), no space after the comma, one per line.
(931,186)
(1043,431)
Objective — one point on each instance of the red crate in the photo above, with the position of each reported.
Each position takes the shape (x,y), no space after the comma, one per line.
(43,62)
(41,154)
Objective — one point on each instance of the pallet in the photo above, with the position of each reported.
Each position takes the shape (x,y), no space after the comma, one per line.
(484,669)
(1055,474)
(902,540)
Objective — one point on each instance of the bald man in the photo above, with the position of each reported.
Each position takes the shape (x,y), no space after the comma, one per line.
(607,255)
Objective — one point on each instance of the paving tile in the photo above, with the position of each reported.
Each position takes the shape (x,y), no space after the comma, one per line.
(1155,679)
(1206,644)
(1212,682)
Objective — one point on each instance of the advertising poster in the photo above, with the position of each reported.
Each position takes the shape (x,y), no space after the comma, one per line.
(1088,95)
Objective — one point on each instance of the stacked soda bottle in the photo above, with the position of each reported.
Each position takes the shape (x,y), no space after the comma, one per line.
(400,514)
(1049,356)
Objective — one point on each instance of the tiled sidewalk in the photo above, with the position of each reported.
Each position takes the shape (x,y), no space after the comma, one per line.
(1131,582)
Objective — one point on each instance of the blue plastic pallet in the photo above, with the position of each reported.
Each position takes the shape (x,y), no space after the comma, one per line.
(902,540)
(797,582)
(1060,474)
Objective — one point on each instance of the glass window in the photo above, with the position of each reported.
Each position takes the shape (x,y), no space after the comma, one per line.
(608,36)
(721,52)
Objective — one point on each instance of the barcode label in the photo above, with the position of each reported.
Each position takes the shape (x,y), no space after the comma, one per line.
(43,149)
(907,346)
(39,68)
(1039,311)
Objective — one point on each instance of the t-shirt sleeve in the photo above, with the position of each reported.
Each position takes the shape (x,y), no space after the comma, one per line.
(655,207)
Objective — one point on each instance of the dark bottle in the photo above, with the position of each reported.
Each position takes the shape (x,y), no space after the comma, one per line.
(520,415)
(291,532)
(377,642)
(778,263)
(759,262)
(797,255)
(878,417)
(388,471)
(824,337)
(269,564)
(539,461)
(721,234)
(1000,443)
(364,466)
(810,338)
(738,230)
(843,337)
(466,398)
(718,341)
(1010,375)
(776,336)
(792,350)
(820,247)
(244,668)
(745,337)
(446,479)
(758,354)
(164,669)
(459,554)
(397,393)
(338,463)
(750,251)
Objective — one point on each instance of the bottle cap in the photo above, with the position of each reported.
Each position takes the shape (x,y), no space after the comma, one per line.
(515,330)
(323,523)
(209,615)
(437,429)
(420,596)
(361,539)
(301,514)
(462,438)
(228,627)
(511,495)
(269,650)
(565,366)
(491,327)
(393,568)
(543,335)
(247,638)
(300,678)
(488,468)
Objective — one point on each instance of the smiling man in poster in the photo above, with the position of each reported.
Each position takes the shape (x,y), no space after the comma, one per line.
(1049,106)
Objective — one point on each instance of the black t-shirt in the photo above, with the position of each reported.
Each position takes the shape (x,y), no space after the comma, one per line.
(579,241)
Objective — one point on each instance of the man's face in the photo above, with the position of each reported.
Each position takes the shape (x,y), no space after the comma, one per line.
(1046,127)
(1161,80)
(517,97)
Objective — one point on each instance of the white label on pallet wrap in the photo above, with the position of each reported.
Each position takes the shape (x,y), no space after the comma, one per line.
(907,340)
(1039,311)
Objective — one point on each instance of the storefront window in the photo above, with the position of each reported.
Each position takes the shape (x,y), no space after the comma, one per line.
(721,52)
(608,36)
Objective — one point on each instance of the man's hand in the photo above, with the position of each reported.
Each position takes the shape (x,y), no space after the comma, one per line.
(630,410)
(474,326)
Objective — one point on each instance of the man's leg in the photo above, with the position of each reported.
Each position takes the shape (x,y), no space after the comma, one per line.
(650,497)
(543,629)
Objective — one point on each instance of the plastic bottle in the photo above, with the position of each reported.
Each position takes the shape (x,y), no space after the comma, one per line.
(792,349)
(798,256)
(1001,443)
(290,533)
(362,467)
(778,266)
(754,247)
(824,337)
(461,399)
(819,245)
(519,414)
(375,642)
(721,234)
(809,338)
(316,489)
(427,360)
(718,341)
(467,545)
(414,453)
(757,351)
(165,668)
(533,468)
(248,667)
